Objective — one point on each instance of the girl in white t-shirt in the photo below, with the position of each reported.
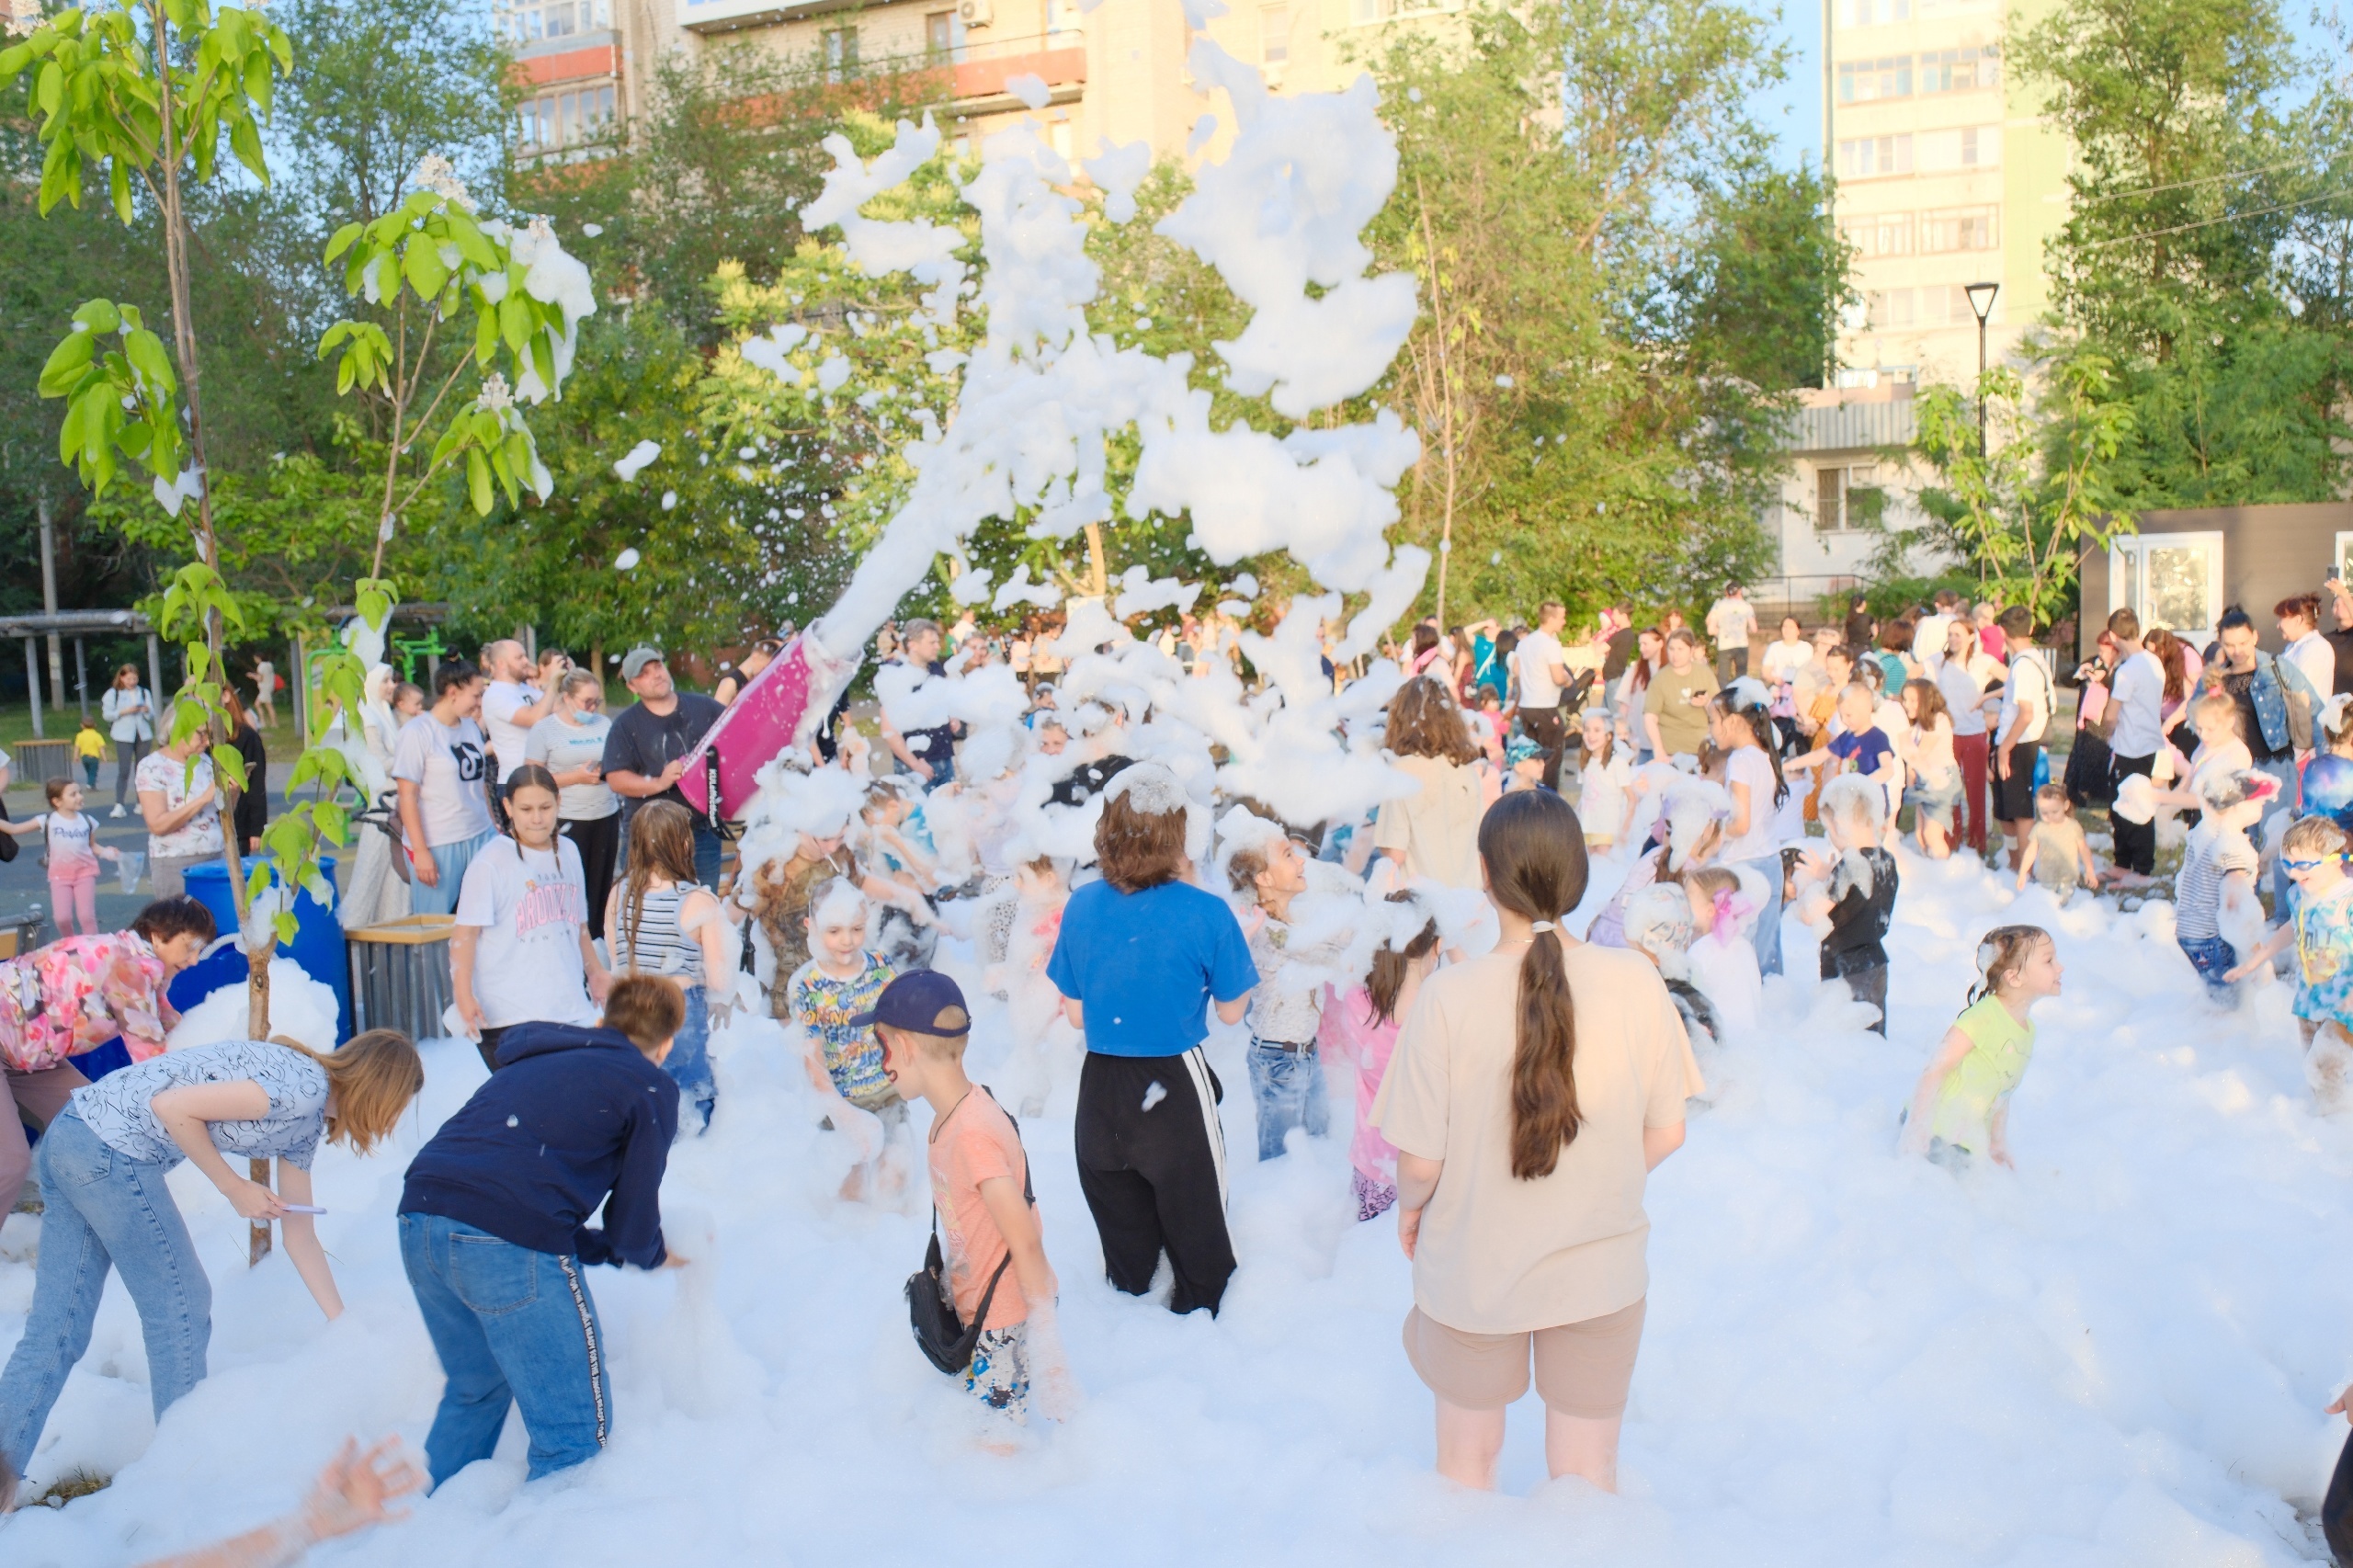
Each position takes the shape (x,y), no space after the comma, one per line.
(1753,779)
(73,854)
(1605,785)
(519,951)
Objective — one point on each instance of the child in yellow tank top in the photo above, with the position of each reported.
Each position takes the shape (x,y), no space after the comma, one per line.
(1962,1106)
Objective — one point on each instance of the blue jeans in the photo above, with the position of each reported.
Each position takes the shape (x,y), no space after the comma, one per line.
(706,855)
(1288,1087)
(450,863)
(1766,937)
(689,1062)
(104,1210)
(511,1327)
(2213,958)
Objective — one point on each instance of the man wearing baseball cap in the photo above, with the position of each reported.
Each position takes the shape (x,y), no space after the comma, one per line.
(646,750)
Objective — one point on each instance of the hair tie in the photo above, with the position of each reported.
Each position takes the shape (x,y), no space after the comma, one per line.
(1542,926)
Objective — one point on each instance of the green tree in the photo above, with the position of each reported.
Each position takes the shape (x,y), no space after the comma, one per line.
(1588,433)
(2203,262)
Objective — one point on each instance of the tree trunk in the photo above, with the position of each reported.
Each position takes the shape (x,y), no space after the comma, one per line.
(1098,572)
(175,247)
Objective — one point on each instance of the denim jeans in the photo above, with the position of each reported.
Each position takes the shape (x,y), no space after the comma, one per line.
(450,863)
(511,1327)
(1766,935)
(706,855)
(689,1062)
(104,1210)
(2213,958)
(1288,1087)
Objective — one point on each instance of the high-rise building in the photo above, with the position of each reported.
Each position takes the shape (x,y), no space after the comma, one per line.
(1946,176)
(570,65)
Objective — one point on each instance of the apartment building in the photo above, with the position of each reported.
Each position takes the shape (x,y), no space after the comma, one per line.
(569,59)
(1947,177)
(1114,73)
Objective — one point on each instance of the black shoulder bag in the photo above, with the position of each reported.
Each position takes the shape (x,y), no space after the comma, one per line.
(945,1341)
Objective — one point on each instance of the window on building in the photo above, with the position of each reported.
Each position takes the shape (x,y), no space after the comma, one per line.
(1364,11)
(939,34)
(1960,70)
(1867,81)
(1062,23)
(1059,136)
(1274,35)
(841,55)
(1878,234)
(1959,228)
(1847,497)
(528,23)
(566,119)
(1891,308)
(1873,13)
(1866,157)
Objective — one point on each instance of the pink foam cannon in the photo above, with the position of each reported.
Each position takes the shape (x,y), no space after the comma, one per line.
(778,707)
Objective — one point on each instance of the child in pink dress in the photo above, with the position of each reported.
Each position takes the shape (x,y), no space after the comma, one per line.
(1360,1028)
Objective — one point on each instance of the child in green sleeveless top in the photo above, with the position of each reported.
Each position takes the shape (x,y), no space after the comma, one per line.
(1963,1105)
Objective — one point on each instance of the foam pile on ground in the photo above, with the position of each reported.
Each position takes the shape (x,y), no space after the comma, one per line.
(300,1007)
(2117,1356)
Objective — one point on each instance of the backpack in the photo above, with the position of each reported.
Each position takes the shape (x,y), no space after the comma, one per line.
(945,1341)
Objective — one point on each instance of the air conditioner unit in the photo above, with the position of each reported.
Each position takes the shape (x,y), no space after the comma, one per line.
(975,13)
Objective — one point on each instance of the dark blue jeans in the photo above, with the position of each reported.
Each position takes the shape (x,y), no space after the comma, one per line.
(706,851)
(2213,958)
(512,1326)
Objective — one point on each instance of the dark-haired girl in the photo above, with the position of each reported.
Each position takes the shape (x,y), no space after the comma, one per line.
(1142,956)
(1753,779)
(1359,1030)
(75,995)
(520,950)
(1928,748)
(1533,1090)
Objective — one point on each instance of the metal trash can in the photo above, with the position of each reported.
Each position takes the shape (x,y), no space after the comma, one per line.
(400,974)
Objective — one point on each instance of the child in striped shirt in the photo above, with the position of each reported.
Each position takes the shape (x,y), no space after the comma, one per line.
(2218,872)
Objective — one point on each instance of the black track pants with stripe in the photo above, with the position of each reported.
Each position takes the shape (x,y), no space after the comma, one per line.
(1151,1163)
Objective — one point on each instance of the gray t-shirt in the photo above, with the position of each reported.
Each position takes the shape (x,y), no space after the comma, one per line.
(445,762)
(116,1107)
(560,747)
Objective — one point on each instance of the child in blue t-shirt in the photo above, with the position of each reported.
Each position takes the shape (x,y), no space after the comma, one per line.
(1142,956)
(1860,747)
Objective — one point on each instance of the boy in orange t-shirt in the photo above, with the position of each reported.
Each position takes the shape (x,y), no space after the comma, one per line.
(980,1179)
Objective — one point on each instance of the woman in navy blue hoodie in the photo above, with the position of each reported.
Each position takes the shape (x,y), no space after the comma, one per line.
(494,1225)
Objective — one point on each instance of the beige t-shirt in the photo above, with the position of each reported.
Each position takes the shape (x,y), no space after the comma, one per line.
(1501,1255)
(1438,828)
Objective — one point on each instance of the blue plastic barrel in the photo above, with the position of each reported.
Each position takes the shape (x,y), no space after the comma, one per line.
(317,945)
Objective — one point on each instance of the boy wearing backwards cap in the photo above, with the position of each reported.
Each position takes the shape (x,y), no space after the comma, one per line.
(978,1179)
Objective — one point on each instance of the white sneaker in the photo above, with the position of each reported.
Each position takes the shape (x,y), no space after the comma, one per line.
(118,809)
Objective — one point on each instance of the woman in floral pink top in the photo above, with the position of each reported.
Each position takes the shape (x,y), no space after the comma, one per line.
(74,995)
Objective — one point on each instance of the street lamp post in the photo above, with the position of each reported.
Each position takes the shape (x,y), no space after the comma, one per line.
(1981,302)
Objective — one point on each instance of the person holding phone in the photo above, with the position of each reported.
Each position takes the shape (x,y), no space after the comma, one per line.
(570,744)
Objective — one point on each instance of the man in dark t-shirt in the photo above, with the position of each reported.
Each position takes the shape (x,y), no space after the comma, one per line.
(1621,645)
(646,751)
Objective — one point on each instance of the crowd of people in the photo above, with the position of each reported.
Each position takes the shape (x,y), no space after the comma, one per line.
(1511,1083)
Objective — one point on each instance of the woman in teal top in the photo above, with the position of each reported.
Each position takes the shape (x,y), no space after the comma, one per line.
(1963,1105)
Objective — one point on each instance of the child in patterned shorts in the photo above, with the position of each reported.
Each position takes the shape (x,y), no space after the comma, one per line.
(979,1190)
(2320,924)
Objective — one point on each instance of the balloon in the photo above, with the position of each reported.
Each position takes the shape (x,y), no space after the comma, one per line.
(2328,787)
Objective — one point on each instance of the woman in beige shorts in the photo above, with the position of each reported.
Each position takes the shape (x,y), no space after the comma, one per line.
(1532,1091)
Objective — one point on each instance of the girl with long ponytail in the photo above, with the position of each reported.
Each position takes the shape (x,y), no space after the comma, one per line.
(1532,1090)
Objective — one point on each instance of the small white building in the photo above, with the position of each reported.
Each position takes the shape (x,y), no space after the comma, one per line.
(1851,479)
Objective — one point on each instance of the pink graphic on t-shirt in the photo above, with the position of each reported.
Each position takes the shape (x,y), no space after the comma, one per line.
(550,903)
